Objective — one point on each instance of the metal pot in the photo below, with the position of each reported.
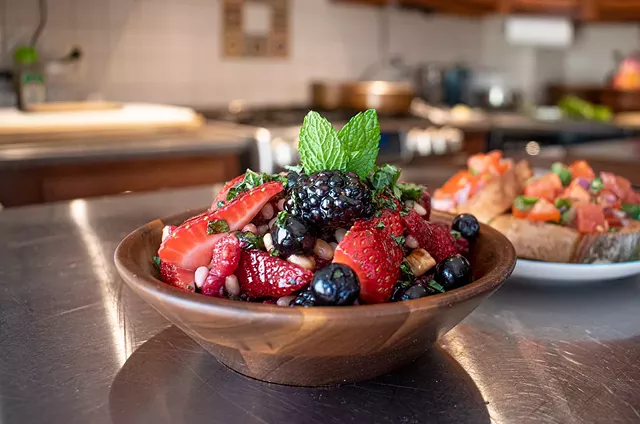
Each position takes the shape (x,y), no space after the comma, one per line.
(327,95)
(388,98)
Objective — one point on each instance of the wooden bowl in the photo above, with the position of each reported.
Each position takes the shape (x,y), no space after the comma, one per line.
(319,345)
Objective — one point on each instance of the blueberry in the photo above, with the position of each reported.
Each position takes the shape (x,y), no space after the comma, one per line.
(335,285)
(467,225)
(453,272)
(292,237)
(305,298)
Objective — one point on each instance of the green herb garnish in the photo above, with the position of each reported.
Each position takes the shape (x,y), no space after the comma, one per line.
(406,271)
(220,203)
(410,191)
(320,147)
(252,180)
(249,240)
(596,185)
(399,240)
(217,226)
(281,220)
(456,234)
(632,210)
(298,169)
(274,252)
(157,262)
(436,286)
(562,203)
(360,139)
(380,225)
(563,172)
(524,203)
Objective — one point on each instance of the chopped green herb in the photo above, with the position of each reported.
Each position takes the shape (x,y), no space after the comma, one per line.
(456,234)
(632,210)
(249,240)
(298,169)
(217,226)
(251,180)
(436,286)
(403,284)
(281,220)
(596,185)
(410,191)
(220,203)
(399,240)
(562,203)
(274,252)
(405,212)
(406,270)
(568,216)
(157,261)
(474,172)
(384,177)
(524,203)
(232,297)
(612,229)
(380,225)
(563,172)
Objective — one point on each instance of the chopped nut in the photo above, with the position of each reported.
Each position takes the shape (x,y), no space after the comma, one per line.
(420,261)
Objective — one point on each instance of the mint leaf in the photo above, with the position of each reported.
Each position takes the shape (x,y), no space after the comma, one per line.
(249,240)
(410,191)
(281,219)
(361,140)
(217,226)
(157,261)
(298,169)
(385,177)
(320,148)
(434,285)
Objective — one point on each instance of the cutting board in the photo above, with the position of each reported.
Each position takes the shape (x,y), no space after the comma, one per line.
(128,119)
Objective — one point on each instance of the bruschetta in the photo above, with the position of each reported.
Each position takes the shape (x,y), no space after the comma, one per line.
(487,188)
(574,215)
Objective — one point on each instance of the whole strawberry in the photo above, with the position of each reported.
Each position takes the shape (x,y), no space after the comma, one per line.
(263,275)
(425,202)
(389,221)
(432,237)
(375,257)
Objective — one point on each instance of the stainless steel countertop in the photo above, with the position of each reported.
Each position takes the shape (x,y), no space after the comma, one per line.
(211,138)
(77,346)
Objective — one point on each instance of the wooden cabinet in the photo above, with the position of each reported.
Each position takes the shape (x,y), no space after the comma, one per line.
(579,10)
(48,183)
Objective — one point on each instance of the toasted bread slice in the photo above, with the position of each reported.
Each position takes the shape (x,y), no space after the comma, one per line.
(498,195)
(539,240)
(554,243)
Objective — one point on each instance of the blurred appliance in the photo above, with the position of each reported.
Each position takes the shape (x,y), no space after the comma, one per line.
(429,80)
(456,85)
(276,129)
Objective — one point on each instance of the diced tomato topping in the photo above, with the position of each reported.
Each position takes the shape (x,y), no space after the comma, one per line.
(581,168)
(590,218)
(519,213)
(547,187)
(616,184)
(544,211)
(632,197)
(490,163)
(576,193)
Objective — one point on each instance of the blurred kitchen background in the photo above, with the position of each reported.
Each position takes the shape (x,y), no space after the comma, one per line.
(102,97)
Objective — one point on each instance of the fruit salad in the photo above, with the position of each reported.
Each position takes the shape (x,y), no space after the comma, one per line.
(337,230)
(577,197)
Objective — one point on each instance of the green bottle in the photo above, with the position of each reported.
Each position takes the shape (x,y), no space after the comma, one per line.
(28,77)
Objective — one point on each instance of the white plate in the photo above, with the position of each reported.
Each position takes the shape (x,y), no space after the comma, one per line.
(553,273)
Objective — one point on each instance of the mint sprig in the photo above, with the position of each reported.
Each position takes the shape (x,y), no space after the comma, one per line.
(353,149)
(319,146)
(361,140)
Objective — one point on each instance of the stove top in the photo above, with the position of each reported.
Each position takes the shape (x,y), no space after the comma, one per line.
(274,117)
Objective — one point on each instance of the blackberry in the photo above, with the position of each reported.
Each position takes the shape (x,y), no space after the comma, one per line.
(330,199)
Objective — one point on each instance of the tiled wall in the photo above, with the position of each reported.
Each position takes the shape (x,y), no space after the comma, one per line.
(169,50)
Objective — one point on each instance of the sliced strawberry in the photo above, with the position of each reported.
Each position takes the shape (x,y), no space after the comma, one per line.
(425,202)
(190,247)
(463,245)
(544,211)
(590,218)
(263,275)
(581,168)
(226,256)
(375,258)
(222,195)
(177,277)
(434,238)
(213,285)
(390,222)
